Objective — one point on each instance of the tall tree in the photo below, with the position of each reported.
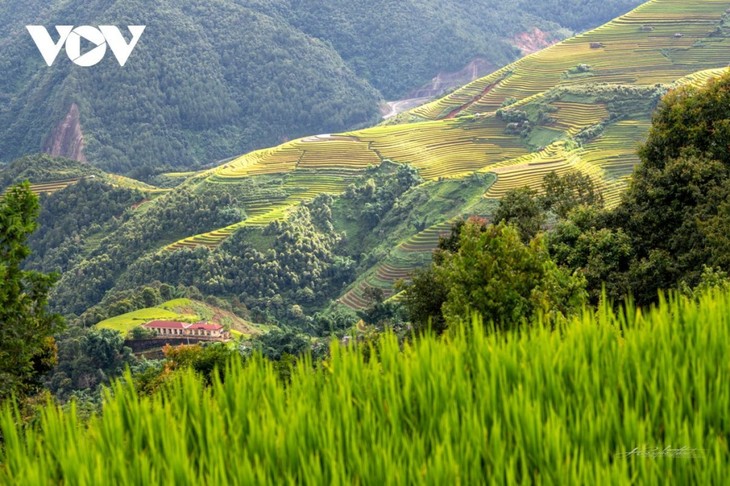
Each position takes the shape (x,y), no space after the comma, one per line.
(673,211)
(27,347)
(565,193)
(494,273)
(522,209)
(672,223)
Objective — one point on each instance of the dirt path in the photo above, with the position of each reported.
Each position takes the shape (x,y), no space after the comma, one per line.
(474,101)
(396,107)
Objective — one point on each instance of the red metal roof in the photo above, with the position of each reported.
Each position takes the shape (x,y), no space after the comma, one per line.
(166,325)
(206,327)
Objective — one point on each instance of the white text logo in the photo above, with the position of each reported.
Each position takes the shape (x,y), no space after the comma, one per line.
(103,36)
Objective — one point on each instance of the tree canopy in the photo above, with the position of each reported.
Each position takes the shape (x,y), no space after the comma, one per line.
(494,273)
(27,348)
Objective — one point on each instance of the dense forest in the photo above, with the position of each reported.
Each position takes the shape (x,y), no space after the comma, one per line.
(250,74)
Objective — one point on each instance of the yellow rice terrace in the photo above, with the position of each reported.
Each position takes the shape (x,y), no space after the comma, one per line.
(606,399)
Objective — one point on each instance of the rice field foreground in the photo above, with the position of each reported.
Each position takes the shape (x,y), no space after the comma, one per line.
(630,399)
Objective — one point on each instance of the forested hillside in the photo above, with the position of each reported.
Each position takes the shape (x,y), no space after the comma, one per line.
(248,74)
(294,231)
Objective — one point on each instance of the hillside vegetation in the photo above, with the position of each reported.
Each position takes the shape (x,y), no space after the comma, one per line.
(633,397)
(583,105)
(546,252)
(248,74)
(288,230)
(183,310)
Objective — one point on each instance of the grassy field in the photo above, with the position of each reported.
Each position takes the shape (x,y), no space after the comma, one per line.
(628,398)
(126,322)
(183,310)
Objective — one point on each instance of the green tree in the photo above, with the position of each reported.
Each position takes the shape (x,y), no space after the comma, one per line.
(507,281)
(663,214)
(276,344)
(423,300)
(150,297)
(379,312)
(522,208)
(675,211)
(690,119)
(602,255)
(494,273)
(27,348)
(565,193)
(674,219)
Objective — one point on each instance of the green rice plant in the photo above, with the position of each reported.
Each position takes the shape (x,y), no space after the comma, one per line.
(627,397)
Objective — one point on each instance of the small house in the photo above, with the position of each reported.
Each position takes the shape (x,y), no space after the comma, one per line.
(167,328)
(199,331)
(209,331)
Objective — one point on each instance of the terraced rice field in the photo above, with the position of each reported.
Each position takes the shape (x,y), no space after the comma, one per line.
(571,118)
(281,159)
(412,253)
(640,48)
(450,148)
(48,187)
(530,170)
(615,150)
(51,187)
(700,78)
(659,43)
(440,149)
(300,185)
(259,218)
(608,160)
(121,181)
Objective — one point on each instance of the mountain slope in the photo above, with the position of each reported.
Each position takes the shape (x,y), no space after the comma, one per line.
(184,310)
(567,112)
(246,74)
(556,117)
(659,42)
(366,223)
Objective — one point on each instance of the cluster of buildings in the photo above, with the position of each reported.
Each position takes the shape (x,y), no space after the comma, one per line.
(199,331)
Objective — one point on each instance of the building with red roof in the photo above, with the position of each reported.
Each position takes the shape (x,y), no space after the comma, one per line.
(199,330)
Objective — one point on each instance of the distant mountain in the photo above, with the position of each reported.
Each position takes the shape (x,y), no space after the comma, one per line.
(212,79)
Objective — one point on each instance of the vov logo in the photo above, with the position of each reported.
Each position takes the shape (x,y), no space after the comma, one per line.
(103,36)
